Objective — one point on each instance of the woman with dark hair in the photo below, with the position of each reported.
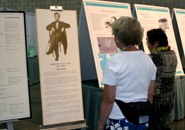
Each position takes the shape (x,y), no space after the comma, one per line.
(166,63)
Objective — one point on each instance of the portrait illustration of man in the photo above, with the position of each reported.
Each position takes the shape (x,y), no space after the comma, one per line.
(58,37)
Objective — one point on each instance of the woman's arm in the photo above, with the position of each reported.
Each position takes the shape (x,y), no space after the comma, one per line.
(107,104)
(151,91)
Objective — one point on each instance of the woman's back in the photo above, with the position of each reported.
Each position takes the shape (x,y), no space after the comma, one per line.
(166,63)
(131,72)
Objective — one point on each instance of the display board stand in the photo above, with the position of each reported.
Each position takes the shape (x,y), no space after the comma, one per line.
(61,91)
(96,41)
(14,83)
(88,70)
(157,17)
(9,124)
(177,19)
(66,126)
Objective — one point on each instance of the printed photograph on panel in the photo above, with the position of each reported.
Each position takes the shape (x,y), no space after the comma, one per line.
(163,23)
(110,21)
(57,36)
(107,45)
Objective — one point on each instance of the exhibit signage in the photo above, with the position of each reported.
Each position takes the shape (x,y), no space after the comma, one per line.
(96,19)
(14,89)
(152,17)
(179,15)
(59,65)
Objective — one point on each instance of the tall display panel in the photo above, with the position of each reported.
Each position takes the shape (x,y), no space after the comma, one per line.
(95,35)
(157,17)
(178,19)
(14,89)
(59,66)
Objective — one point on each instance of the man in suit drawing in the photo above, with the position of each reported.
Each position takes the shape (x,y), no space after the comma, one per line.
(58,29)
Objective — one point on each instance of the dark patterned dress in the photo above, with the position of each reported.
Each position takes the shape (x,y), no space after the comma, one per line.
(166,63)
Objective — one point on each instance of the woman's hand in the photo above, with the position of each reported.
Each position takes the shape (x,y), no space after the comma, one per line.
(151,91)
(101,127)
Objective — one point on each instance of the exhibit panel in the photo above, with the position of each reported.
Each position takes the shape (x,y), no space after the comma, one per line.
(59,66)
(99,16)
(14,90)
(180,17)
(157,17)
(178,20)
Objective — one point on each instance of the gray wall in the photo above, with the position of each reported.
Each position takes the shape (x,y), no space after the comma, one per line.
(29,6)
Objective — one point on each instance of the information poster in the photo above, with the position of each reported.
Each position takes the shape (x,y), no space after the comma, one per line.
(100,15)
(158,17)
(180,19)
(14,89)
(59,66)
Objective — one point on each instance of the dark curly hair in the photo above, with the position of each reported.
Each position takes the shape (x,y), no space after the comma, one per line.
(157,35)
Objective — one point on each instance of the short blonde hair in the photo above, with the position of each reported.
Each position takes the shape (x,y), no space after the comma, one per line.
(128,30)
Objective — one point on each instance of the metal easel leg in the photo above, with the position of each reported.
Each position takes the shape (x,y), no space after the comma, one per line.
(10,126)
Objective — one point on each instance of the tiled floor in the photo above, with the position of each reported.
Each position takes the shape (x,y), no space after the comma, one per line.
(36,120)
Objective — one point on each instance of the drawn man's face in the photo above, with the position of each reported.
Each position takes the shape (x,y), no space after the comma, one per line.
(57,17)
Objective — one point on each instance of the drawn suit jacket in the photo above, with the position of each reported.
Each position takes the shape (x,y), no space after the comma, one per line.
(63,37)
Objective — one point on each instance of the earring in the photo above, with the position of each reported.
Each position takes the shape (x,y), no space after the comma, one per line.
(117,41)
